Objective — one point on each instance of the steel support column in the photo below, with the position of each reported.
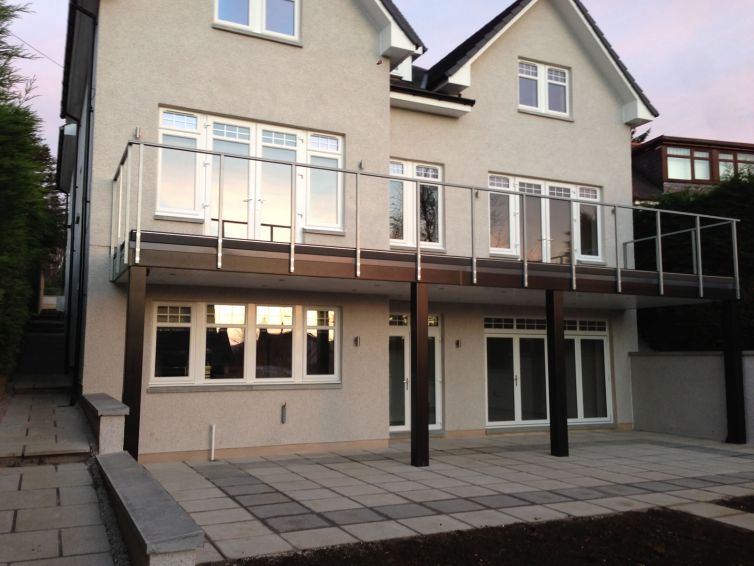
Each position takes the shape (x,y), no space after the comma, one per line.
(419,374)
(734,374)
(134,353)
(556,373)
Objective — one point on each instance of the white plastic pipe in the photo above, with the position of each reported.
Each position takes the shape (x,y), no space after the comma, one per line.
(212,444)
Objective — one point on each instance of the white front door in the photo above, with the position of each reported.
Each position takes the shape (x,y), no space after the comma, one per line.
(399,361)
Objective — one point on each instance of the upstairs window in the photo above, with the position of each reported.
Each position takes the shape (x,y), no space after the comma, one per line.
(402,210)
(276,18)
(543,88)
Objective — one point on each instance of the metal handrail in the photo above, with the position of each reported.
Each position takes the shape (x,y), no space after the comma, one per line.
(124,169)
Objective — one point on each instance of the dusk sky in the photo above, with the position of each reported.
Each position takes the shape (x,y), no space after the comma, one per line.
(693,58)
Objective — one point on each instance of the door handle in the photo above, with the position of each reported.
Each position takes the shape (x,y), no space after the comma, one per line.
(515,380)
(405,381)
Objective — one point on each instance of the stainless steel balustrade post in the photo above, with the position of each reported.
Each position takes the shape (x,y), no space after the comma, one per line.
(658,251)
(698,251)
(292,265)
(524,255)
(126,226)
(473,238)
(618,273)
(358,235)
(220,213)
(573,246)
(736,274)
(139,198)
(418,231)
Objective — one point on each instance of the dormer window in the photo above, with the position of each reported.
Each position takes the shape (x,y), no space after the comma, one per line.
(543,88)
(274,18)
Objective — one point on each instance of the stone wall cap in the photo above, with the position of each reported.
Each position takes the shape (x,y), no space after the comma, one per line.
(105,405)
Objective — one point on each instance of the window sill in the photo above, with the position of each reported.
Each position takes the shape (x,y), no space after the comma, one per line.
(590,261)
(241,31)
(424,248)
(325,231)
(240,387)
(178,218)
(545,114)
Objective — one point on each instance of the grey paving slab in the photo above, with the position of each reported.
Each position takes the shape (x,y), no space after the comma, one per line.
(485,518)
(6,521)
(448,506)
(384,530)
(248,547)
(542,497)
(196,505)
(498,501)
(706,510)
(312,494)
(333,504)
(191,494)
(535,513)
(659,499)
(469,491)
(698,495)
(380,499)
(423,495)
(103,559)
(622,503)
(659,486)
(243,529)
(580,493)
(234,481)
(28,499)
(278,510)
(361,489)
(221,516)
(317,538)
(57,517)
(434,524)
(743,521)
(77,495)
(84,540)
(291,523)
(262,499)
(249,489)
(731,490)
(404,511)
(10,482)
(620,489)
(351,516)
(208,554)
(15,547)
(579,508)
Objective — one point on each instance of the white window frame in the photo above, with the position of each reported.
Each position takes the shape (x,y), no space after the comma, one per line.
(258,20)
(197,345)
(197,213)
(543,81)
(204,136)
(178,380)
(577,335)
(310,225)
(315,378)
(516,217)
(411,185)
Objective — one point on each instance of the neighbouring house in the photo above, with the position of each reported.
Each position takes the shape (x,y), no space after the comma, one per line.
(287,234)
(667,164)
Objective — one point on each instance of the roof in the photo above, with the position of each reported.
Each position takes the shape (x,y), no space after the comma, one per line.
(696,142)
(402,22)
(458,57)
(406,87)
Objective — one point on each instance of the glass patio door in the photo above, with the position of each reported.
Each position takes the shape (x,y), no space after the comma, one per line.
(516,380)
(399,363)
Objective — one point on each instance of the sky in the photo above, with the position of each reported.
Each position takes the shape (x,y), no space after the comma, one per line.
(693,58)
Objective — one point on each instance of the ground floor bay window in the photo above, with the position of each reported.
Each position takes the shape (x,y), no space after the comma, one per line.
(516,372)
(208,343)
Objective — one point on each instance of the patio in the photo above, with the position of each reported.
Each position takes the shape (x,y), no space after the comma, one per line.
(264,505)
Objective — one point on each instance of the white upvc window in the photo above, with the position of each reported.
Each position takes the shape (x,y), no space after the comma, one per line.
(420,186)
(544,88)
(256,195)
(180,173)
(231,343)
(276,18)
(571,217)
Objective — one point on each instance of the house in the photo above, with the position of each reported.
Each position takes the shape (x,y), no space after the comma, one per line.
(667,164)
(270,199)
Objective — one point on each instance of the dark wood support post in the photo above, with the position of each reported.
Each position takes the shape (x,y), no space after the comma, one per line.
(419,374)
(556,373)
(734,374)
(134,354)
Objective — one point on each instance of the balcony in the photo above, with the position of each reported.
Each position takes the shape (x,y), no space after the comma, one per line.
(281,217)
